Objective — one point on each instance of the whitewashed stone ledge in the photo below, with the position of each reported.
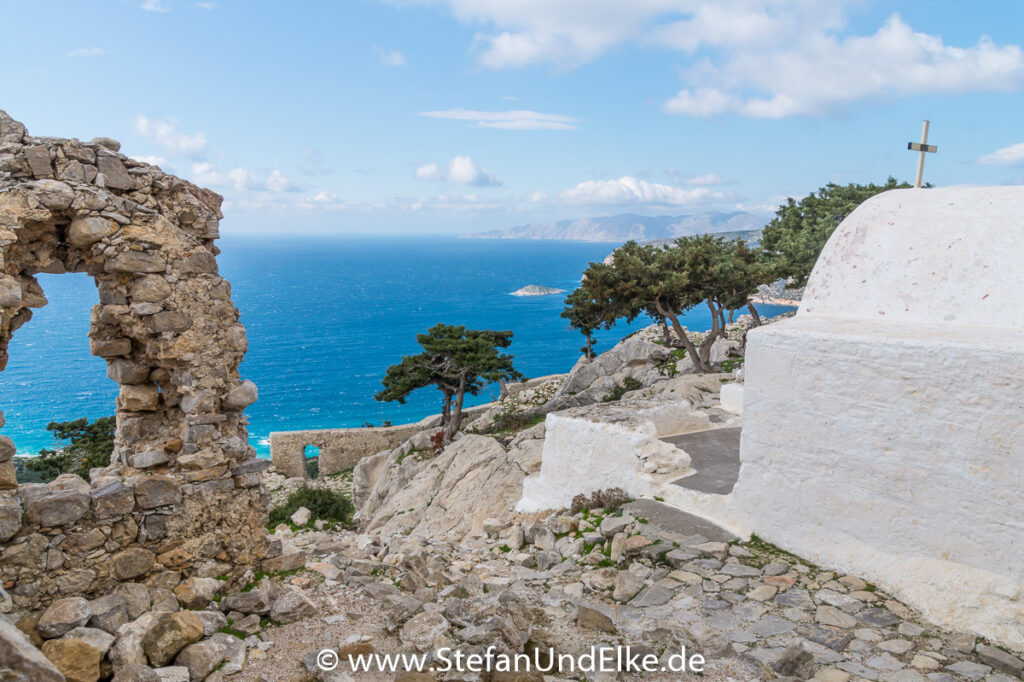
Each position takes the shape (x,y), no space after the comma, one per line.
(610,445)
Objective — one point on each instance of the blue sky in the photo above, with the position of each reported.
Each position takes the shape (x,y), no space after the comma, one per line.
(364,116)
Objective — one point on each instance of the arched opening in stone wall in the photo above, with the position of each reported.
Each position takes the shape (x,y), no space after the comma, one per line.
(311,455)
(52,378)
(183,494)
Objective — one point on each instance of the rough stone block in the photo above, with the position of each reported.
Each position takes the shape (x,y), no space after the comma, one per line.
(77,660)
(112,500)
(132,563)
(115,175)
(241,396)
(156,491)
(143,398)
(285,562)
(109,348)
(10,518)
(86,231)
(8,476)
(148,459)
(63,616)
(19,655)
(7,449)
(169,321)
(58,509)
(171,633)
(128,371)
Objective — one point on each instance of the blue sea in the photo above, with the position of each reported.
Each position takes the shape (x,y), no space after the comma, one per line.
(325,318)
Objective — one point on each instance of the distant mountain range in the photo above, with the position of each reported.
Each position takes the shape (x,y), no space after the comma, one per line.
(626,226)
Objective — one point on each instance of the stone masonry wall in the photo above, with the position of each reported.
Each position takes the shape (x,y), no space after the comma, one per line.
(340,449)
(182,495)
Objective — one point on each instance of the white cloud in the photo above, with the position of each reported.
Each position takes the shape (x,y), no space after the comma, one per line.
(86,52)
(1007,156)
(153,160)
(165,133)
(240,179)
(754,58)
(508,120)
(705,179)
(390,57)
(442,204)
(206,5)
(462,170)
(821,72)
(631,190)
(154,6)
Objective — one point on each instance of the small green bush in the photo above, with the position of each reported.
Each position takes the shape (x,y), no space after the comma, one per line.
(324,504)
(628,384)
(313,467)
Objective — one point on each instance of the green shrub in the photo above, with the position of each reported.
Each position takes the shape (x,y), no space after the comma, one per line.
(322,503)
(513,422)
(313,467)
(628,384)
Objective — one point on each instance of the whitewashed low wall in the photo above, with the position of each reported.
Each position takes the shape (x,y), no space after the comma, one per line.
(894,453)
(614,445)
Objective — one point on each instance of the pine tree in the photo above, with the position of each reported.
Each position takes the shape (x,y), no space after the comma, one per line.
(458,361)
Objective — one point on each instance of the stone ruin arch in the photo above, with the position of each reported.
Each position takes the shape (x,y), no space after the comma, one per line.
(182,495)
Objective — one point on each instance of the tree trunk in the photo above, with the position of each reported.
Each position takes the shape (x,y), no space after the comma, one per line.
(504,389)
(717,330)
(456,419)
(590,347)
(698,365)
(754,314)
(665,335)
(446,408)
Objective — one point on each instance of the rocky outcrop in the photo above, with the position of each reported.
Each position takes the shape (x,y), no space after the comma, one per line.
(452,492)
(176,496)
(537,290)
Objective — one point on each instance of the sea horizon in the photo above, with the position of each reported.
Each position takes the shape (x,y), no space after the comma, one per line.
(325,316)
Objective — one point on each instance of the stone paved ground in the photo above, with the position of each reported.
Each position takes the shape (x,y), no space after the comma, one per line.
(619,577)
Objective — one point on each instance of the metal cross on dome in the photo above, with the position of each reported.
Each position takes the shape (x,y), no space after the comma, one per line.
(924,148)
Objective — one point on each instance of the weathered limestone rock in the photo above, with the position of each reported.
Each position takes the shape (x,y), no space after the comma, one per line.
(234,653)
(170,634)
(301,516)
(196,593)
(10,518)
(425,630)
(472,480)
(62,616)
(136,598)
(134,672)
(108,613)
(132,563)
(98,639)
(201,658)
(58,509)
(128,648)
(77,660)
(291,606)
(156,491)
(241,396)
(246,602)
(20,660)
(86,231)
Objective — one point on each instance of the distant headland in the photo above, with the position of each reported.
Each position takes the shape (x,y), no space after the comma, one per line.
(623,227)
(536,290)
